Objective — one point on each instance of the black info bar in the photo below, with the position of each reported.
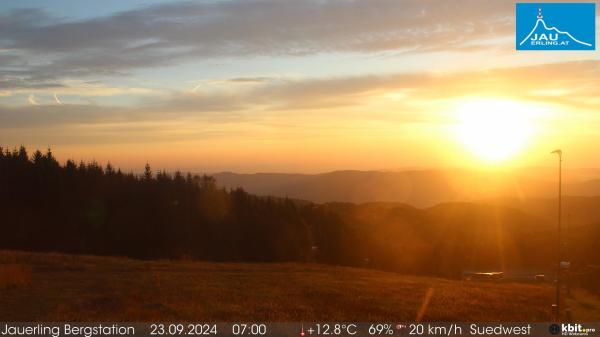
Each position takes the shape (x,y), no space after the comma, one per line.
(295,329)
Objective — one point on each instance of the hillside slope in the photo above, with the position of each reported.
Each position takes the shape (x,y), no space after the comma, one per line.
(420,188)
(50,287)
(447,239)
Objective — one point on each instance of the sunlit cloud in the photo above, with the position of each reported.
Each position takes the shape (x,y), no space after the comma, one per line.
(82,89)
(32,100)
(403,98)
(172,33)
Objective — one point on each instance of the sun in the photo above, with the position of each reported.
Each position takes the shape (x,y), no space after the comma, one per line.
(493,129)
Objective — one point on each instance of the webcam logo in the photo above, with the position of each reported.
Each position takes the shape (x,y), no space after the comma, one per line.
(556,26)
(569,329)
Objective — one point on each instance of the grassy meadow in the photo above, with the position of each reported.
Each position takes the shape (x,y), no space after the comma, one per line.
(60,287)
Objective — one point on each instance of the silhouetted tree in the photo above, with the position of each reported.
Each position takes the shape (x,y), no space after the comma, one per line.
(84,208)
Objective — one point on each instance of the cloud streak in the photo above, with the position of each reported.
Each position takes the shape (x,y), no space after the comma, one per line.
(269,97)
(32,100)
(170,33)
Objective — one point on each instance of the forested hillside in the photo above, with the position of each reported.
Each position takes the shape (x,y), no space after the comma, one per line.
(87,208)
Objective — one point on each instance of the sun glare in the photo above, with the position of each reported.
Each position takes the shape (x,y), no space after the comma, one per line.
(492,129)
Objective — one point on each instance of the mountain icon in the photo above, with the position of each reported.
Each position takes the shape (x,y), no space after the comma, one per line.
(541,32)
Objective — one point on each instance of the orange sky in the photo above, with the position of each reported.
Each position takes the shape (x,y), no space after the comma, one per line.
(363,85)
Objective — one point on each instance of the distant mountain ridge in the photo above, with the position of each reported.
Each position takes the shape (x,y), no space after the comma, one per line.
(419,188)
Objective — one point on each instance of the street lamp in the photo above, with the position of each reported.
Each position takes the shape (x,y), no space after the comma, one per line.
(558,252)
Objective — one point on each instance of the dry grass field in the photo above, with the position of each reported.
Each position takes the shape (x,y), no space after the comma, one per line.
(58,287)
(584,305)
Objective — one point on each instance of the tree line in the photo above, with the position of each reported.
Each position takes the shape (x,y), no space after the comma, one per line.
(86,208)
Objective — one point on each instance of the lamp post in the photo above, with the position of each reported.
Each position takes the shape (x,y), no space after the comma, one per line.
(558,236)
